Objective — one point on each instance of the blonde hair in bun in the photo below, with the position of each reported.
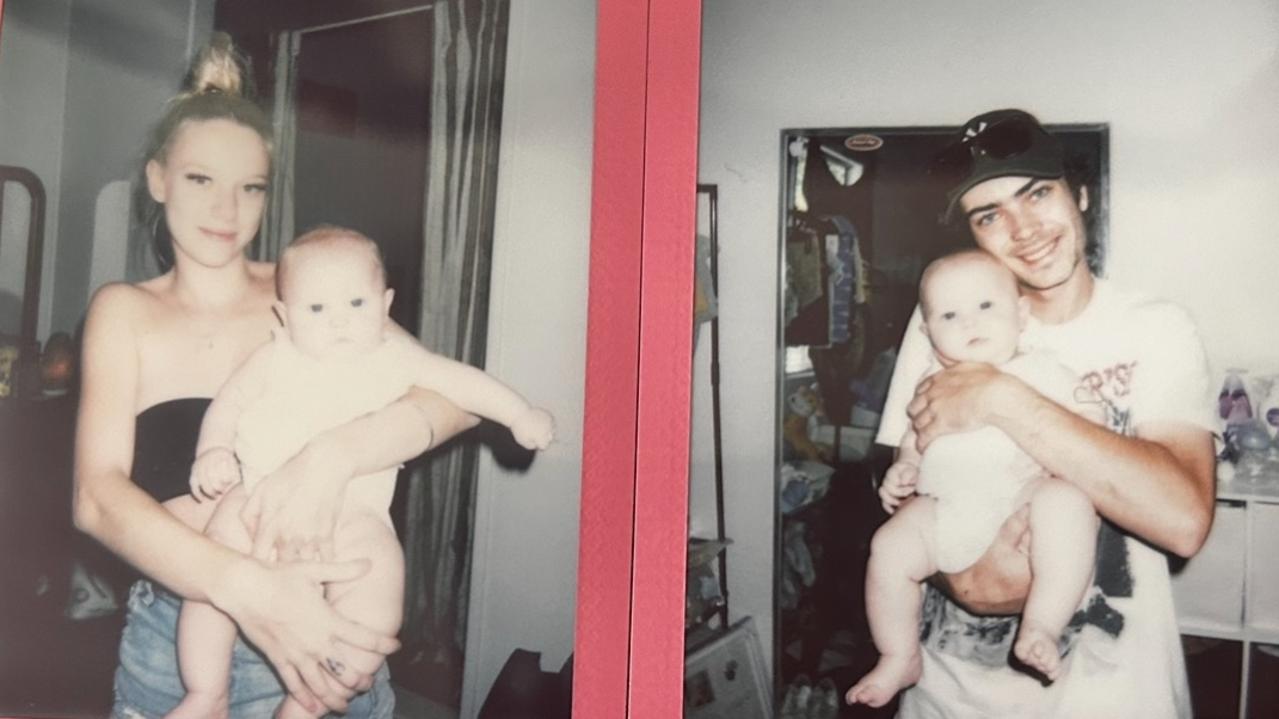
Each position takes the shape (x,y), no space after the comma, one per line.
(218,86)
(218,67)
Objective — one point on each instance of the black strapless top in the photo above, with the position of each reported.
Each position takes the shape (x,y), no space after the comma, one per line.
(164,446)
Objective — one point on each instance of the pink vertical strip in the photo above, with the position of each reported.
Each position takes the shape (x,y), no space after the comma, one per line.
(612,364)
(666,332)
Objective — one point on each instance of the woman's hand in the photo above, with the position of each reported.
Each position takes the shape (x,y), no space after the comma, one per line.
(293,511)
(321,657)
(999,581)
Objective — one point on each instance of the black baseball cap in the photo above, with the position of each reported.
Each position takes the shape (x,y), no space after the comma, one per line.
(994,144)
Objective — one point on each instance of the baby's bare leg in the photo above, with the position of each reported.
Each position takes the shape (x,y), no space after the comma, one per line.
(902,556)
(1063,542)
(375,600)
(205,635)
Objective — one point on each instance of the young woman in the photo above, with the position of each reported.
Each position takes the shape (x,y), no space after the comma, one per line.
(153,355)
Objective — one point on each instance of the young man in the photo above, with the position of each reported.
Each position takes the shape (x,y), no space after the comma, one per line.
(1148,471)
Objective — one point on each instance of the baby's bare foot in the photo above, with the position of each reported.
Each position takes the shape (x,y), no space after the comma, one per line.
(1038,650)
(891,674)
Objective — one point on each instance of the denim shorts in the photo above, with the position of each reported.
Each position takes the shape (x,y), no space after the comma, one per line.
(148,686)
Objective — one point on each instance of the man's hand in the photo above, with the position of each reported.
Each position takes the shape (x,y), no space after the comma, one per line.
(899,484)
(322,658)
(999,581)
(960,398)
(213,473)
(534,428)
(293,511)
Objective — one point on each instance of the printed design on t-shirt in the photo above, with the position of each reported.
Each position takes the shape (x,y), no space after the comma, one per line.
(948,629)
(1112,577)
(1111,389)
(987,640)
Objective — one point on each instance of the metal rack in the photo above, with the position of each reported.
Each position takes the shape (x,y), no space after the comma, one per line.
(718,543)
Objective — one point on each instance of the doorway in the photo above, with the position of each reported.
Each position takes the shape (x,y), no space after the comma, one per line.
(353,99)
(360,153)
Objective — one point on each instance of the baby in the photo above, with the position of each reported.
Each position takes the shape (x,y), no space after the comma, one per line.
(339,357)
(969,483)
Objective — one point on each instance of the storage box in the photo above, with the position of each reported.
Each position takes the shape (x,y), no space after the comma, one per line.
(724,677)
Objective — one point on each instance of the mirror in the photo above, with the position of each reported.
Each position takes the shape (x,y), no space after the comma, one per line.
(860,213)
(1185,148)
(83,81)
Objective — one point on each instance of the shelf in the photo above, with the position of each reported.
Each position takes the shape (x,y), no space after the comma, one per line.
(1223,630)
(1265,491)
(1230,589)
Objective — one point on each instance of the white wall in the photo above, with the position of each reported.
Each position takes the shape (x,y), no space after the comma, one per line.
(33,76)
(82,80)
(126,60)
(525,554)
(1190,90)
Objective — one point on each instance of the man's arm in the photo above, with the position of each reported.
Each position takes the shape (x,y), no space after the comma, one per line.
(1158,484)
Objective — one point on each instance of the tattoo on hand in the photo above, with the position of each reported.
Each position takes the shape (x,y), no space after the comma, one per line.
(335,666)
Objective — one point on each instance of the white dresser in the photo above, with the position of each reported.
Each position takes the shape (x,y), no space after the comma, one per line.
(1230,589)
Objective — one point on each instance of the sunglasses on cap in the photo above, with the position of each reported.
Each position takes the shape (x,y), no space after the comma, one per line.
(999,139)
(997,144)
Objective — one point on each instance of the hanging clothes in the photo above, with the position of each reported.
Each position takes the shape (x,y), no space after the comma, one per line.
(806,305)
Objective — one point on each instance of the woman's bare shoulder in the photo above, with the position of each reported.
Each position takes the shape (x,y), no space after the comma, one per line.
(115,298)
(131,304)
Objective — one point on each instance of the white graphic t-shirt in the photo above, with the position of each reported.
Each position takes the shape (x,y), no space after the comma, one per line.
(1140,360)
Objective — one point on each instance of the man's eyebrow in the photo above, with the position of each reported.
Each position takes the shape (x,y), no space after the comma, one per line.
(980,209)
(1026,187)
(992,205)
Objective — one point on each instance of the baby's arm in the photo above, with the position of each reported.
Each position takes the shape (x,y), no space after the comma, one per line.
(901,478)
(480,393)
(215,469)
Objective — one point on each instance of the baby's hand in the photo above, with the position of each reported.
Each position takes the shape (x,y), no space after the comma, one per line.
(214,472)
(534,429)
(899,483)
